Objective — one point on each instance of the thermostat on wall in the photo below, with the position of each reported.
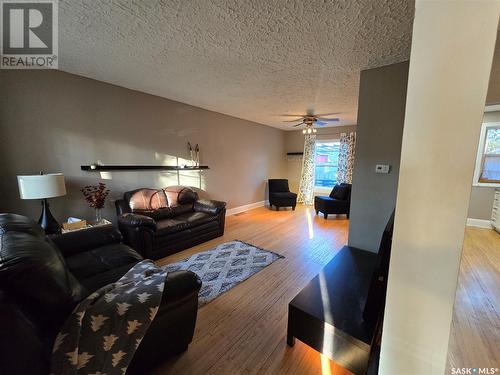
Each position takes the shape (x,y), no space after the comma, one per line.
(382,168)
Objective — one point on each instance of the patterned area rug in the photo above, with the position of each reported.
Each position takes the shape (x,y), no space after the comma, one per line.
(225,266)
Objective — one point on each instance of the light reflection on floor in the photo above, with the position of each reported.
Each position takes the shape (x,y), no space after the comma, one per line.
(310,223)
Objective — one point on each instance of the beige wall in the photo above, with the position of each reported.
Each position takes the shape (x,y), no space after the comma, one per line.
(55,122)
(481,198)
(294,142)
(446,95)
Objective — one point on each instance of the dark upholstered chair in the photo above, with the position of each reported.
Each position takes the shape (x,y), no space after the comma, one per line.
(338,202)
(280,195)
(43,278)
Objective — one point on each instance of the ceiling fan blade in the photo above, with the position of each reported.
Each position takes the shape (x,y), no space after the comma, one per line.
(288,115)
(328,119)
(302,123)
(320,123)
(327,114)
(292,120)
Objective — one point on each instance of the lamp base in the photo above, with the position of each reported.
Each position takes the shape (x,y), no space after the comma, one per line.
(47,221)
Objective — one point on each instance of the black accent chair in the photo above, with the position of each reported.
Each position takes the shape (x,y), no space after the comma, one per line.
(43,278)
(160,222)
(280,194)
(338,202)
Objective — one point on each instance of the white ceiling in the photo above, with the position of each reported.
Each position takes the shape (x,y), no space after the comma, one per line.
(253,59)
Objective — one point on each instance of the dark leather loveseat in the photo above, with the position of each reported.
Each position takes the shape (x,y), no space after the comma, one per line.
(42,279)
(160,222)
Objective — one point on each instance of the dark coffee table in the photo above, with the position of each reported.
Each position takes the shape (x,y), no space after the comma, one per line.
(327,314)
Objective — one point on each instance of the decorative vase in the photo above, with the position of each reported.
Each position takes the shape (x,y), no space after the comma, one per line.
(98,216)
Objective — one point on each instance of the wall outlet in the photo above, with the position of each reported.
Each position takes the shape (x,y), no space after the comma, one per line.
(382,168)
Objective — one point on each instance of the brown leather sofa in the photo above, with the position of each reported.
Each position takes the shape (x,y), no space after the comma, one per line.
(160,222)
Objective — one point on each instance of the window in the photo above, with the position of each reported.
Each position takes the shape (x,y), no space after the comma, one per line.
(488,159)
(326,163)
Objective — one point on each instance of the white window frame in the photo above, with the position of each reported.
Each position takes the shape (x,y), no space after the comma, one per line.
(479,156)
(322,189)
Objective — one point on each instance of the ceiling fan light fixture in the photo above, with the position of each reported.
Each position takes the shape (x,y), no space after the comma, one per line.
(314,130)
(304,131)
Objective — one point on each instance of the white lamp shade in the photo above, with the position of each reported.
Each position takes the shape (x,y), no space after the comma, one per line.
(41,186)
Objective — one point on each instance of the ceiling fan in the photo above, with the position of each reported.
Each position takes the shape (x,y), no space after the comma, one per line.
(310,120)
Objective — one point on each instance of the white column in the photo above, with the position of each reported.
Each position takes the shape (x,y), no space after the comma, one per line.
(451,55)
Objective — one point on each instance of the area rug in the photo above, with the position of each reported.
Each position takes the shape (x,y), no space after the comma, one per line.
(224,267)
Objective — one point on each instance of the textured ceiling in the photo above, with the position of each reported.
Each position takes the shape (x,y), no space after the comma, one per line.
(253,59)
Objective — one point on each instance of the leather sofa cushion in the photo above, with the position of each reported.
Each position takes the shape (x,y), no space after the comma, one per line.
(167,226)
(158,214)
(182,222)
(181,209)
(146,199)
(180,195)
(101,260)
(196,218)
(99,280)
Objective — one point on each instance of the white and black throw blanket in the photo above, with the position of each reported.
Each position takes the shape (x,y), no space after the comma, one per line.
(103,332)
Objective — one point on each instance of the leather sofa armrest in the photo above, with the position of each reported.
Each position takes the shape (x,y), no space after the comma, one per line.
(121,206)
(180,284)
(86,239)
(209,206)
(135,220)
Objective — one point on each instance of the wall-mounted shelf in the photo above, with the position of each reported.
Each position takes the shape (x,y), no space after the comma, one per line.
(295,153)
(98,168)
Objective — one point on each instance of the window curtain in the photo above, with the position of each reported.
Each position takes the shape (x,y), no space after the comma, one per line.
(306,187)
(346,157)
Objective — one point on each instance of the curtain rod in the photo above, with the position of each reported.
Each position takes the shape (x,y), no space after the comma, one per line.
(318,134)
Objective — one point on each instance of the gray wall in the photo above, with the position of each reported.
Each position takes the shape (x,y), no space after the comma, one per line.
(382,98)
(55,122)
(294,142)
(481,198)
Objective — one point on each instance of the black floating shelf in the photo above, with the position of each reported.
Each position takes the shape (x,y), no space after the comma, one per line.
(294,153)
(97,168)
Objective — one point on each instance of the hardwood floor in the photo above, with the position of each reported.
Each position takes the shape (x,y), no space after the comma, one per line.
(475,330)
(244,330)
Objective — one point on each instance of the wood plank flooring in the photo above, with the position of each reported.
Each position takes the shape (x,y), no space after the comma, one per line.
(244,330)
(475,330)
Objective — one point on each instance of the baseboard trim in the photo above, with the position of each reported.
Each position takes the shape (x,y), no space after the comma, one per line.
(246,207)
(480,223)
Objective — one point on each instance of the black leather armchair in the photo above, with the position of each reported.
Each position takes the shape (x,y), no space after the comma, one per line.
(160,222)
(280,194)
(338,202)
(43,278)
